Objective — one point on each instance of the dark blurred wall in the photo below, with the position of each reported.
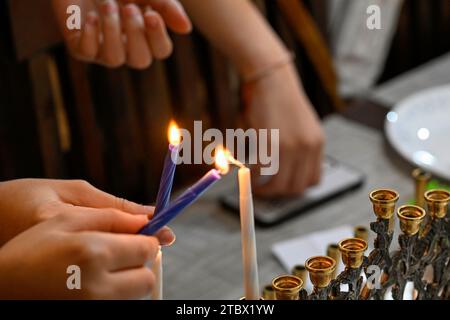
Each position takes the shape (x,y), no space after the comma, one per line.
(60,118)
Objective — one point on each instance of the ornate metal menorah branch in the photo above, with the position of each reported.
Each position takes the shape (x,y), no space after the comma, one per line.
(424,246)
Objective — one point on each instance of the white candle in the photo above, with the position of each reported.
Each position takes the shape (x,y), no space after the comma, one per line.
(250,264)
(157,292)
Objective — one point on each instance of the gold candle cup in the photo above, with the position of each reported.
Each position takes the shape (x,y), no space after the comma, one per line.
(410,218)
(421,179)
(333,252)
(361,232)
(300,271)
(287,287)
(321,269)
(269,293)
(437,202)
(352,252)
(383,201)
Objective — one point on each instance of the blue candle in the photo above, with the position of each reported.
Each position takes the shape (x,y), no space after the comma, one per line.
(179,204)
(166,182)
(170,164)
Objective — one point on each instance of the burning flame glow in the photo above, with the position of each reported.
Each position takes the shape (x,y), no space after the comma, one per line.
(174,134)
(222,160)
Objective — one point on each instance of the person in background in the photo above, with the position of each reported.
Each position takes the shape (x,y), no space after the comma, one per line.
(48,225)
(275,97)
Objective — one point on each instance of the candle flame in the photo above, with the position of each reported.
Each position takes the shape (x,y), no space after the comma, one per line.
(174,133)
(222,162)
(232,160)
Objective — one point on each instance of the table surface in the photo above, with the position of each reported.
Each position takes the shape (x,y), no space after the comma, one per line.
(205,262)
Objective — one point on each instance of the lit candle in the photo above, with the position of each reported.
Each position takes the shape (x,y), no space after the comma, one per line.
(170,164)
(250,264)
(188,197)
(163,198)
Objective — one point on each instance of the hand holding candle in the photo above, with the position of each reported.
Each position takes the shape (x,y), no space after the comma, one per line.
(163,198)
(188,197)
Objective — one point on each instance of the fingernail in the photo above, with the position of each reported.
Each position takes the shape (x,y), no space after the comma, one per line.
(182,11)
(109,7)
(143,218)
(167,238)
(91,18)
(151,21)
(149,211)
(180,8)
(131,10)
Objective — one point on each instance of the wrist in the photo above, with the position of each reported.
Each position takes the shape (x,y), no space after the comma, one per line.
(258,62)
(284,61)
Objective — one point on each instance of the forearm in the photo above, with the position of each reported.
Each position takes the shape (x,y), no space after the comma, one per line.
(238,29)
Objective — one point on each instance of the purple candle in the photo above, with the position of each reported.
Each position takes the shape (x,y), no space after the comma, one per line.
(184,200)
(170,164)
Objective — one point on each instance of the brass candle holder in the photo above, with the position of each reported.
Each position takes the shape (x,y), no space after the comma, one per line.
(421,249)
(321,270)
(405,262)
(361,232)
(421,178)
(352,252)
(411,217)
(269,293)
(437,202)
(333,252)
(383,201)
(300,271)
(434,245)
(287,287)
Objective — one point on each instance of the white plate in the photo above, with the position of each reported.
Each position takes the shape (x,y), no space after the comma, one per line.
(419,129)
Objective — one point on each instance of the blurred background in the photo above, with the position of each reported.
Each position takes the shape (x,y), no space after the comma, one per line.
(61,118)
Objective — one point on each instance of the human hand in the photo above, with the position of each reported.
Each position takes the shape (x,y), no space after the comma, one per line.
(276,101)
(115,33)
(101,243)
(27,202)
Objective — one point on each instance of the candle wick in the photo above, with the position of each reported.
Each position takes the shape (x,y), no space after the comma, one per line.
(235,162)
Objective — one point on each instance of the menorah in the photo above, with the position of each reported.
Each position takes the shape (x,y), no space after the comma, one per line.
(423,257)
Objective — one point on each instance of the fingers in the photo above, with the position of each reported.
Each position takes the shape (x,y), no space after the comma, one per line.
(138,52)
(131,284)
(316,171)
(81,193)
(89,41)
(104,220)
(301,173)
(117,222)
(300,168)
(279,184)
(112,52)
(158,38)
(103,41)
(171,11)
(165,236)
(125,251)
